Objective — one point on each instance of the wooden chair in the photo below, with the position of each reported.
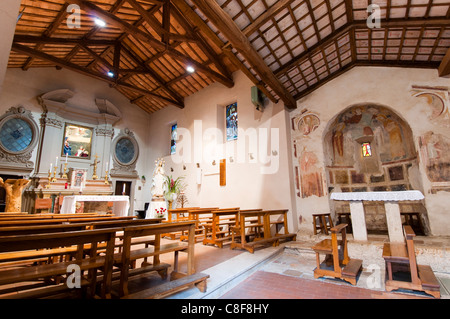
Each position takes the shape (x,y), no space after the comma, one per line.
(322,222)
(336,252)
(400,260)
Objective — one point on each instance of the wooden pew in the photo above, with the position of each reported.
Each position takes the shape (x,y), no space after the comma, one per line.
(50,220)
(123,260)
(42,255)
(219,230)
(177,215)
(260,229)
(401,257)
(90,263)
(336,256)
(201,216)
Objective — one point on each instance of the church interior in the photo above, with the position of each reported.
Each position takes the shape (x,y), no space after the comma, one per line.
(130,128)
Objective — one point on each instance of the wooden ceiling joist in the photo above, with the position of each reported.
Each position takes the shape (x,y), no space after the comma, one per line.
(287,48)
(76,68)
(240,42)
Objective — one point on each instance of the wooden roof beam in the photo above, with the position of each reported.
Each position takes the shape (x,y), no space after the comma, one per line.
(240,42)
(444,67)
(93,9)
(85,71)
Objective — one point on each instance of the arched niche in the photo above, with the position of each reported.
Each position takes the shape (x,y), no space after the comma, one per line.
(369,147)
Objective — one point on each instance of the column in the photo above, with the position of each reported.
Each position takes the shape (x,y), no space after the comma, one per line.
(358,220)
(394,222)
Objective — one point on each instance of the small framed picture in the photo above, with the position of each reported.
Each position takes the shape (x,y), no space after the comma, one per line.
(78,178)
(77,141)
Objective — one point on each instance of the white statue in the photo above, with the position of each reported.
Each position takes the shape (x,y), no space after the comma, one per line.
(158,179)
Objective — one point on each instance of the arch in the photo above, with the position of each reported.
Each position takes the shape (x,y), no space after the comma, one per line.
(369,147)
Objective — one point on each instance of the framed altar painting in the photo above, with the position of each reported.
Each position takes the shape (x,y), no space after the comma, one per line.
(77,141)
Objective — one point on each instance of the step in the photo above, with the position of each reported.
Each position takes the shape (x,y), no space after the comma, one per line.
(352,268)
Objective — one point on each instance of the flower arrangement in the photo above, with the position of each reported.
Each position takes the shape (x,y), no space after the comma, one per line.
(173,186)
(160,212)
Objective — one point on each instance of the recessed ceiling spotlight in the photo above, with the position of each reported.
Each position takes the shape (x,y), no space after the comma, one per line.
(100,22)
(190,69)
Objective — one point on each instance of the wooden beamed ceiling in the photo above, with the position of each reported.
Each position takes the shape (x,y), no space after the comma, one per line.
(287,48)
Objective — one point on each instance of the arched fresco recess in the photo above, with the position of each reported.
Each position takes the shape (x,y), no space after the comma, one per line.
(370,148)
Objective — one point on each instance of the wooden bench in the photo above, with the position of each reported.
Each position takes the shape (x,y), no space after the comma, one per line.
(342,267)
(241,238)
(91,262)
(201,216)
(218,231)
(124,259)
(171,287)
(400,259)
(177,215)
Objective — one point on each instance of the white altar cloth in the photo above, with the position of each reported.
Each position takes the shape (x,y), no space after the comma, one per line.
(379,196)
(121,204)
(390,199)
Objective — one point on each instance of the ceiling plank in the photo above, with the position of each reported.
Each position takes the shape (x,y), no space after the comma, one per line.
(240,42)
(444,67)
(85,71)
(91,8)
(189,13)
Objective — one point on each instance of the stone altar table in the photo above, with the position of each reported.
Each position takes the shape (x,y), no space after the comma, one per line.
(390,199)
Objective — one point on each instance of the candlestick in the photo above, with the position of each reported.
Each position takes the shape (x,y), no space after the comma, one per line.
(65,169)
(54,174)
(49,178)
(106,178)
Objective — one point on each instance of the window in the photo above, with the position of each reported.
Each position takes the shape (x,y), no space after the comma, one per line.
(366,150)
(173,139)
(232,122)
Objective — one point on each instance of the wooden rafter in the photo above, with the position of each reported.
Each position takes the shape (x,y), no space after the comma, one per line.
(241,43)
(444,67)
(82,70)
(93,9)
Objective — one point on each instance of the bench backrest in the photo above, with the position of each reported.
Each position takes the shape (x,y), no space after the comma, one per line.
(54,240)
(124,223)
(40,229)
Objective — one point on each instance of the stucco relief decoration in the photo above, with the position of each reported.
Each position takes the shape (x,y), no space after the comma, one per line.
(438,101)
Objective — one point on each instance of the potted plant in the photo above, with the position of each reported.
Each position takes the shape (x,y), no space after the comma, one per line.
(173,188)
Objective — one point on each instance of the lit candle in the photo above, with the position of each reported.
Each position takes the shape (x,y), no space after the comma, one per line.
(123,189)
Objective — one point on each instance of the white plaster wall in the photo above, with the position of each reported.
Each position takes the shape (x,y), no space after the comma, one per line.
(246,184)
(23,87)
(390,87)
